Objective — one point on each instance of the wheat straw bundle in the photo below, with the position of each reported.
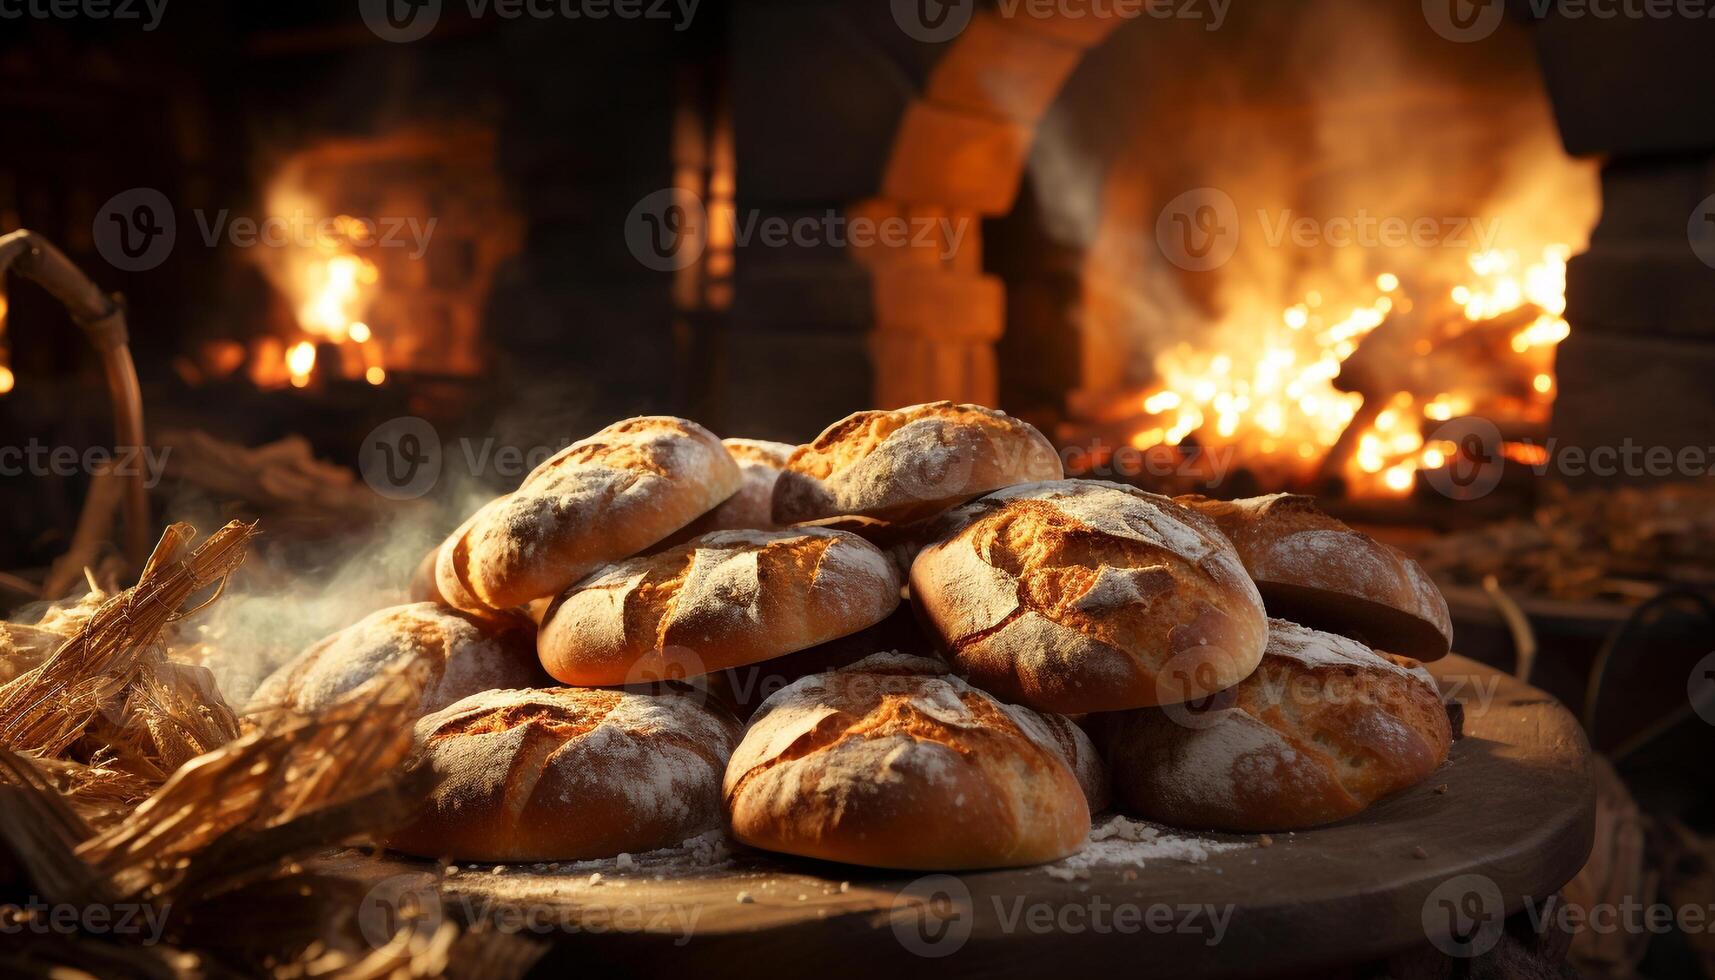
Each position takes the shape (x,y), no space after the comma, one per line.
(112,688)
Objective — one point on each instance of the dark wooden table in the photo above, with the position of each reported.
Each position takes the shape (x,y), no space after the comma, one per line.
(1506,821)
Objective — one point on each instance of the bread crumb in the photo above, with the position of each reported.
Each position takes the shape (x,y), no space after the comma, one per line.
(1265,841)
(746,898)
(845,886)
(498,869)
(596,880)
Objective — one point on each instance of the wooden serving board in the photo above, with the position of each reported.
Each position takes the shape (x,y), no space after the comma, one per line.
(1517,809)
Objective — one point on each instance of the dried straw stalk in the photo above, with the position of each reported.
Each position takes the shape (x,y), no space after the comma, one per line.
(111,684)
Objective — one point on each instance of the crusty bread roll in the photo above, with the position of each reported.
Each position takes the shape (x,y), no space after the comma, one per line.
(910,463)
(598,500)
(1324,728)
(1314,570)
(892,763)
(721,600)
(752,507)
(1077,596)
(460,656)
(562,774)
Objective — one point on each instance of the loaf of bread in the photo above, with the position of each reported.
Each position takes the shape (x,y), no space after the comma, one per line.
(910,463)
(596,501)
(1313,569)
(892,763)
(1324,728)
(563,774)
(718,601)
(459,655)
(752,507)
(1076,596)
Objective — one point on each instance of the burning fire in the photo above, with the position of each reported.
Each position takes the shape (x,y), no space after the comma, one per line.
(1295,404)
(330,285)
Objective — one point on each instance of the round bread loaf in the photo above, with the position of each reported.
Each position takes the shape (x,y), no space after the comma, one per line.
(910,463)
(1314,570)
(1324,728)
(892,763)
(718,601)
(564,774)
(1078,596)
(460,656)
(752,507)
(598,500)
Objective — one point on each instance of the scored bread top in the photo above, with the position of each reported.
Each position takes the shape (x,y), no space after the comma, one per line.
(910,463)
(569,773)
(1293,550)
(598,500)
(1081,596)
(720,600)
(847,765)
(459,658)
(1324,727)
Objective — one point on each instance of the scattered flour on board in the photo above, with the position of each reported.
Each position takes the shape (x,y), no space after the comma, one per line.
(1125,843)
(695,855)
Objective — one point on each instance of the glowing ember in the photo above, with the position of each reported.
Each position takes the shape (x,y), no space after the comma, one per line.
(1275,402)
(300,362)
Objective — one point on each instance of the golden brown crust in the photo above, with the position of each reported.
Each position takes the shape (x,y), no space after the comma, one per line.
(598,500)
(717,601)
(1315,570)
(910,463)
(1077,596)
(559,774)
(1324,728)
(890,763)
(457,654)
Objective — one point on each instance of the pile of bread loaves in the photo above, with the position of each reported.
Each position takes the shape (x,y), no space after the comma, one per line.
(899,646)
